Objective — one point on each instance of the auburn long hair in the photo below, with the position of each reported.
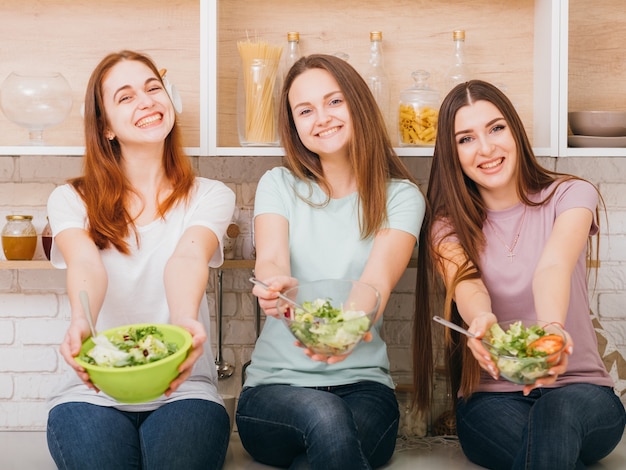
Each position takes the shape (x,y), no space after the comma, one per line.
(454,198)
(104,187)
(372,156)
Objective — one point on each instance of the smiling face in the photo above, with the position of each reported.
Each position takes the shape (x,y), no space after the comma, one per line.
(137,107)
(320,113)
(487,150)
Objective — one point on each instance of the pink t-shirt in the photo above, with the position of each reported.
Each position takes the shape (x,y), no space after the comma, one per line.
(509,282)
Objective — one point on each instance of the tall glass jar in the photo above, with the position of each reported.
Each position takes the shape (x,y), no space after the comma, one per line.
(258,93)
(19,237)
(418,113)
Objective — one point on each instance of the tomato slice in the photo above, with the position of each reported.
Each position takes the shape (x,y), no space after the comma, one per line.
(548,344)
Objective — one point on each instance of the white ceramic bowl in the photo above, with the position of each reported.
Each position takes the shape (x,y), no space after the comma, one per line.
(598,123)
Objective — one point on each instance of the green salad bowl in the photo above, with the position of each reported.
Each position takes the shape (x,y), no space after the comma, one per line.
(337,327)
(139,383)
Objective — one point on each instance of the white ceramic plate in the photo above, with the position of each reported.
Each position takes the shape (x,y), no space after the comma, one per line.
(591,141)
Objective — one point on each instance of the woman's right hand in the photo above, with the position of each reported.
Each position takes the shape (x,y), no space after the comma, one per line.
(77,332)
(479,326)
(267,297)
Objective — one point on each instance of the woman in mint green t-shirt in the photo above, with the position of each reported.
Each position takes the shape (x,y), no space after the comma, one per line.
(343,206)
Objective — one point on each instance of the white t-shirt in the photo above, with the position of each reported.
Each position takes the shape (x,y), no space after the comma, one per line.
(325,242)
(136,292)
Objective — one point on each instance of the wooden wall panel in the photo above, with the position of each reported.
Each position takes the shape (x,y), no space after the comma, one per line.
(597,56)
(416,34)
(72,36)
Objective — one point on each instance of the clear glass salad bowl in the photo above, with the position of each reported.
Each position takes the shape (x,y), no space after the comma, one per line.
(339,312)
(36,101)
(525,350)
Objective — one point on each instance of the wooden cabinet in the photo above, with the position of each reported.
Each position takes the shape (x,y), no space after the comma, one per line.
(593,65)
(551,55)
(72,37)
(514,43)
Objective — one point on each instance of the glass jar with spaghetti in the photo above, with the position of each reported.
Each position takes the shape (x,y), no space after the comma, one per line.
(19,237)
(418,113)
(258,92)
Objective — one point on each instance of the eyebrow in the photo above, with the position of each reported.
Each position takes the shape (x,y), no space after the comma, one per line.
(493,121)
(126,87)
(326,96)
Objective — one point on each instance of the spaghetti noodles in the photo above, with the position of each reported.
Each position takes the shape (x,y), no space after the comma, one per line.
(259,62)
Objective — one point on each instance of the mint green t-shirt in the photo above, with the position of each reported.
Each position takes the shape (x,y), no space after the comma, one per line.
(325,243)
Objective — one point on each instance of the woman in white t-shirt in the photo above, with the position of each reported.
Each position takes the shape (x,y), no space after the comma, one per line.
(344,206)
(138,232)
(509,240)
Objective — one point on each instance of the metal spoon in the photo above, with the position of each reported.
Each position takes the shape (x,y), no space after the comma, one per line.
(456,327)
(254,280)
(84,300)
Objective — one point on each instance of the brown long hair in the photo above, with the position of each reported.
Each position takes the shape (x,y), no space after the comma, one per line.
(454,197)
(370,151)
(103,186)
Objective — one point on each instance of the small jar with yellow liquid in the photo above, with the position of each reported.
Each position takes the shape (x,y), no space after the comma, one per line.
(19,237)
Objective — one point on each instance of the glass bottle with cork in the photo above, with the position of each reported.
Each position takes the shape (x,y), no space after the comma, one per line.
(376,75)
(293,51)
(459,71)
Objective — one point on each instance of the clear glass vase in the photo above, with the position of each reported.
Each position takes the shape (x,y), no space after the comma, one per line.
(36,102)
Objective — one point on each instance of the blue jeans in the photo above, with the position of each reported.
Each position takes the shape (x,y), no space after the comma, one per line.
(343,427)
(185,434)
(552,428)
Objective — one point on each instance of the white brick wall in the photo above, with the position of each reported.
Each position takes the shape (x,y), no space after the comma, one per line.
(34,312)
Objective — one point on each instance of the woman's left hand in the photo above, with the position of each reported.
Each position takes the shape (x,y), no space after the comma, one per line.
(556,370)
(198,337)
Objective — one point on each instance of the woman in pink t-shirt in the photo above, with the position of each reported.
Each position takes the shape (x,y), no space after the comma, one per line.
(508,239)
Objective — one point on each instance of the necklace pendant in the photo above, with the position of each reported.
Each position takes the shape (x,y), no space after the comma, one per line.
(511,255)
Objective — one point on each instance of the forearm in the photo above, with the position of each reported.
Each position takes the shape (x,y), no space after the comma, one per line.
(472,300)
(272,247)
(185,280)
(551,292)
(88,276)
(267,268)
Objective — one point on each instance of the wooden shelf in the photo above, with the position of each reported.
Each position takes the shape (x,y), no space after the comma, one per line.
(29,264)
(238,264)
(45,264)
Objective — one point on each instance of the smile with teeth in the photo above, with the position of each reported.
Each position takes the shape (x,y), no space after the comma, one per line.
(149,120)
(493,164)
(328,132)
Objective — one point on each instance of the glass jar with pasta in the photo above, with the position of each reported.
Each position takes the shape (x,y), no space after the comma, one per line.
(418,113)
(258,93)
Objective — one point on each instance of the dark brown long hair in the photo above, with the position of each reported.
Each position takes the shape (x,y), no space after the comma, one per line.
(103,186)
(370,151)
(454,197)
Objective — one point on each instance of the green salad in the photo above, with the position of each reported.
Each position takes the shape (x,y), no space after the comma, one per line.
(329,330)
(129,347)
(523,354)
